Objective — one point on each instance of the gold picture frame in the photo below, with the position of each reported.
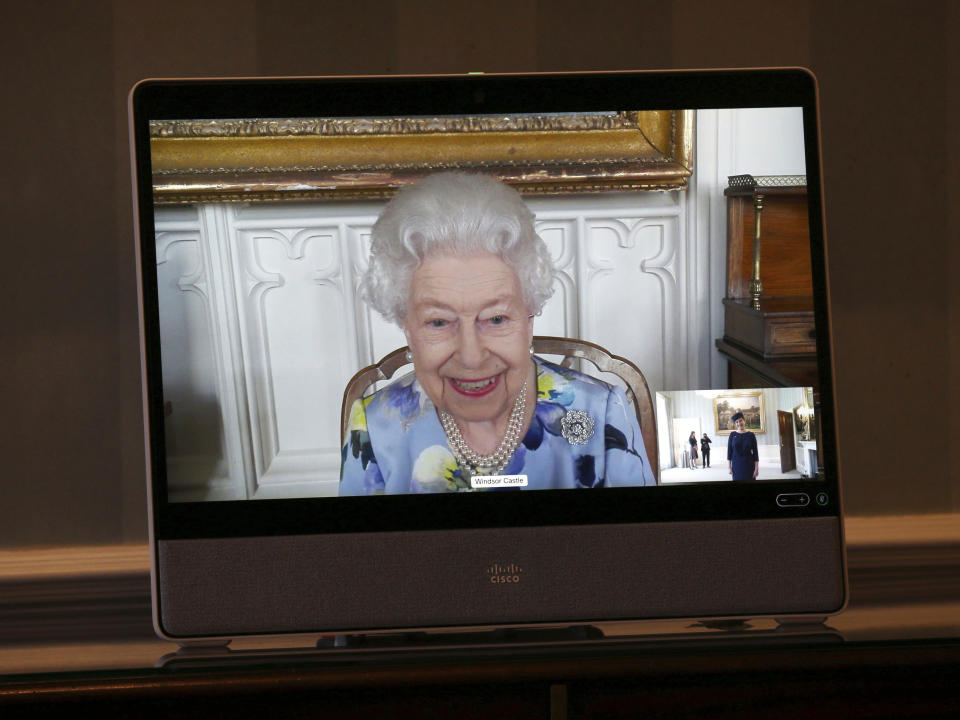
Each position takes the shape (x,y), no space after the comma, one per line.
(258,160)
(798,423)
(804,416)
(750,403)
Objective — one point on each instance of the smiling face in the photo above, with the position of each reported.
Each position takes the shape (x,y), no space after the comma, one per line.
(470,333)
(741,424)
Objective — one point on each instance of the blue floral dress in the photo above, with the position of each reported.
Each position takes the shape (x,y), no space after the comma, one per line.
(395,443)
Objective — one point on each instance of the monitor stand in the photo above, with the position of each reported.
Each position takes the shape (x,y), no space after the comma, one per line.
(572,640)
(500,636)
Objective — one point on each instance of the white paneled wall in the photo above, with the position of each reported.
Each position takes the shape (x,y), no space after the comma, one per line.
(261,326)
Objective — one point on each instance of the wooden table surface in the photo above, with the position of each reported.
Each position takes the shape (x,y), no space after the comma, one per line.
(869,662)
(75,637)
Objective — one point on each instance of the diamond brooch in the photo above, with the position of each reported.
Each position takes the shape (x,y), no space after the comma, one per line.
(576,427)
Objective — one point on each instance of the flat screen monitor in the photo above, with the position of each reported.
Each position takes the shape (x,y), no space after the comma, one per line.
(432,352)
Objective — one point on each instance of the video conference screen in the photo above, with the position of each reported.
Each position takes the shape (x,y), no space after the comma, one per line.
(403,305)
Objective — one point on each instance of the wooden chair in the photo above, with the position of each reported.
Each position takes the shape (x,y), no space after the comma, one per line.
(569,349)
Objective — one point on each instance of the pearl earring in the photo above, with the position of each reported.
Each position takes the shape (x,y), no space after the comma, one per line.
(409,356)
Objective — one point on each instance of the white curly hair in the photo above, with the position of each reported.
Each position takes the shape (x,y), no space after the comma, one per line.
(459,213)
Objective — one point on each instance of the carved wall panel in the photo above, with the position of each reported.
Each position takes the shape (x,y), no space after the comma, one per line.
(204,444)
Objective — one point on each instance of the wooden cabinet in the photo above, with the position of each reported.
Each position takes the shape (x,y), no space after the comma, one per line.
(768,335)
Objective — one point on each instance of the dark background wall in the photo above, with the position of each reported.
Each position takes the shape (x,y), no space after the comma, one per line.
(71,446)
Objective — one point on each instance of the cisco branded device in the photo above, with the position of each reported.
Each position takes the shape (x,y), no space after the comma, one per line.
(485,351)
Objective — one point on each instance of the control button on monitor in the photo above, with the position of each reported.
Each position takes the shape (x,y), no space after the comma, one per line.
(822,498)
(793,500)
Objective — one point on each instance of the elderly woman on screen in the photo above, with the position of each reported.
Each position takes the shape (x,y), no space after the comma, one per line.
(456,263)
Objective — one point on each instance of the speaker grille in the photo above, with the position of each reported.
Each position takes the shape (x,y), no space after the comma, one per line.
(366,581)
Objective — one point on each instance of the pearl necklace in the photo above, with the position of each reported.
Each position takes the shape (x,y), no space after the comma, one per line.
(493,463)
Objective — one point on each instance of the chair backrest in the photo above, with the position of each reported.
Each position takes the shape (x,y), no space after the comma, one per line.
(569,349)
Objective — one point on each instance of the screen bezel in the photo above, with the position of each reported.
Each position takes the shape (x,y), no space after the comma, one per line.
(331,97)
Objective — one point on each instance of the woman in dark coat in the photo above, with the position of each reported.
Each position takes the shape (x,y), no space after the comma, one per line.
(742,454)
(693,448)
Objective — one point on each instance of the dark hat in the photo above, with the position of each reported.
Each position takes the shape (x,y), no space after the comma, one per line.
(736,416)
